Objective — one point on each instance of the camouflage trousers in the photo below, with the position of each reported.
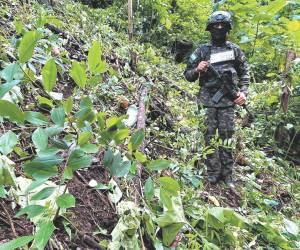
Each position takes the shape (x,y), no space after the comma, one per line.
(221,120)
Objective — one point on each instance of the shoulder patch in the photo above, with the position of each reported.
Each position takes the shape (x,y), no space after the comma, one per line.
(193,57)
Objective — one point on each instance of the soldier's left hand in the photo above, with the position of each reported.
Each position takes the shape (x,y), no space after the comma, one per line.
(241,100)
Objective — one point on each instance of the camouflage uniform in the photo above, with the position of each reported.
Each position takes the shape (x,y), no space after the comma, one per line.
(220,116)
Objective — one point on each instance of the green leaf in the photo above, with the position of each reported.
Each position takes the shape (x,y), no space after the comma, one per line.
(7,172)
(42,167)
(68,105)
(2,192)
(169,184)
(149,189)
(7,142)
(10,110)
(58,116)
(140,156)
(123,169)
(43,234)
(94,56)
(115,121)
(40,139)
(102,67)
(115,164)
(86,102)
(4,88)
(12,72)
(45,101)
(49,74)
(121,135)
(159,165)
(136,140)
(78,74)
(90,148)
(52,131)
(169,232)
(59,143)
(112,161)
(43,194)
(36,118)
(16,243)
(65,201)
(85,114)
(218,217)
(78,159)
(31,211)
(27,45)
(84,137)
(35,184)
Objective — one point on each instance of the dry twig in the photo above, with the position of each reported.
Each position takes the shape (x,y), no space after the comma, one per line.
(9,219)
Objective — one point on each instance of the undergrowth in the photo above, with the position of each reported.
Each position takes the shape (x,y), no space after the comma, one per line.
(70,153)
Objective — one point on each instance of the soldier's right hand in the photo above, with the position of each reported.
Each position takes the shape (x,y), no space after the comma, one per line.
(202,66)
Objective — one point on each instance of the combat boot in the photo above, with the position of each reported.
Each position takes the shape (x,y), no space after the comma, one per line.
(229,181)
(212,179)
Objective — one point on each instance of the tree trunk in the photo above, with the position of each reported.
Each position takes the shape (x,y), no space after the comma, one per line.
(130,20)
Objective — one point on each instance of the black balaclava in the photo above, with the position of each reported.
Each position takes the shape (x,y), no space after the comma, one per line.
(218,36)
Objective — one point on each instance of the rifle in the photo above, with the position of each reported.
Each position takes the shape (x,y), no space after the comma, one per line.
(225,82)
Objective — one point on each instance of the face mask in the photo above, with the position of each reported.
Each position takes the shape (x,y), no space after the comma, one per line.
(218,35)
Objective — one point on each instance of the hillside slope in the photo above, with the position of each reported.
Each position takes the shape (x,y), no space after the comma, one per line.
(71,153)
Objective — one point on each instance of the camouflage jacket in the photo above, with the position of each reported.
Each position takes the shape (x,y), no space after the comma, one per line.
(225,58)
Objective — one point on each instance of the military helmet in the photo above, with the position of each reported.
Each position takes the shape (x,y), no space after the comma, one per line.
(219,17)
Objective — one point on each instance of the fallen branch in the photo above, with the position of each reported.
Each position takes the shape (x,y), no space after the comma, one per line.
(24,159)
(9,219)
(141,124)
(2,217)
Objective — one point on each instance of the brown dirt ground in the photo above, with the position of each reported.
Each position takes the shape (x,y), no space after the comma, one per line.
(92,210)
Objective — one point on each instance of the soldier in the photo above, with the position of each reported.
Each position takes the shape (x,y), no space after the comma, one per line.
(225,57)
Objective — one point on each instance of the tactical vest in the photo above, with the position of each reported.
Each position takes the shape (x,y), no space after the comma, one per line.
(223,59)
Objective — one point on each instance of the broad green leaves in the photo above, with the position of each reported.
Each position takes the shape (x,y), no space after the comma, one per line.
(36,118)
(170,185)
(12,72)
(78,74)
(84,137)
(4,88)
(31,211)
(7,142)
(65,201)
(68,105)
(218,217)
(43,167)
(58,116)
(16,243)
(96,65)
(78,159)
(136,140)
(43,194)
(49,73)
(27,45)
(45,231)
(149,189)
(159,165)
(40,139)
(7,175)
(94,56)
(10,110)
(116,165)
